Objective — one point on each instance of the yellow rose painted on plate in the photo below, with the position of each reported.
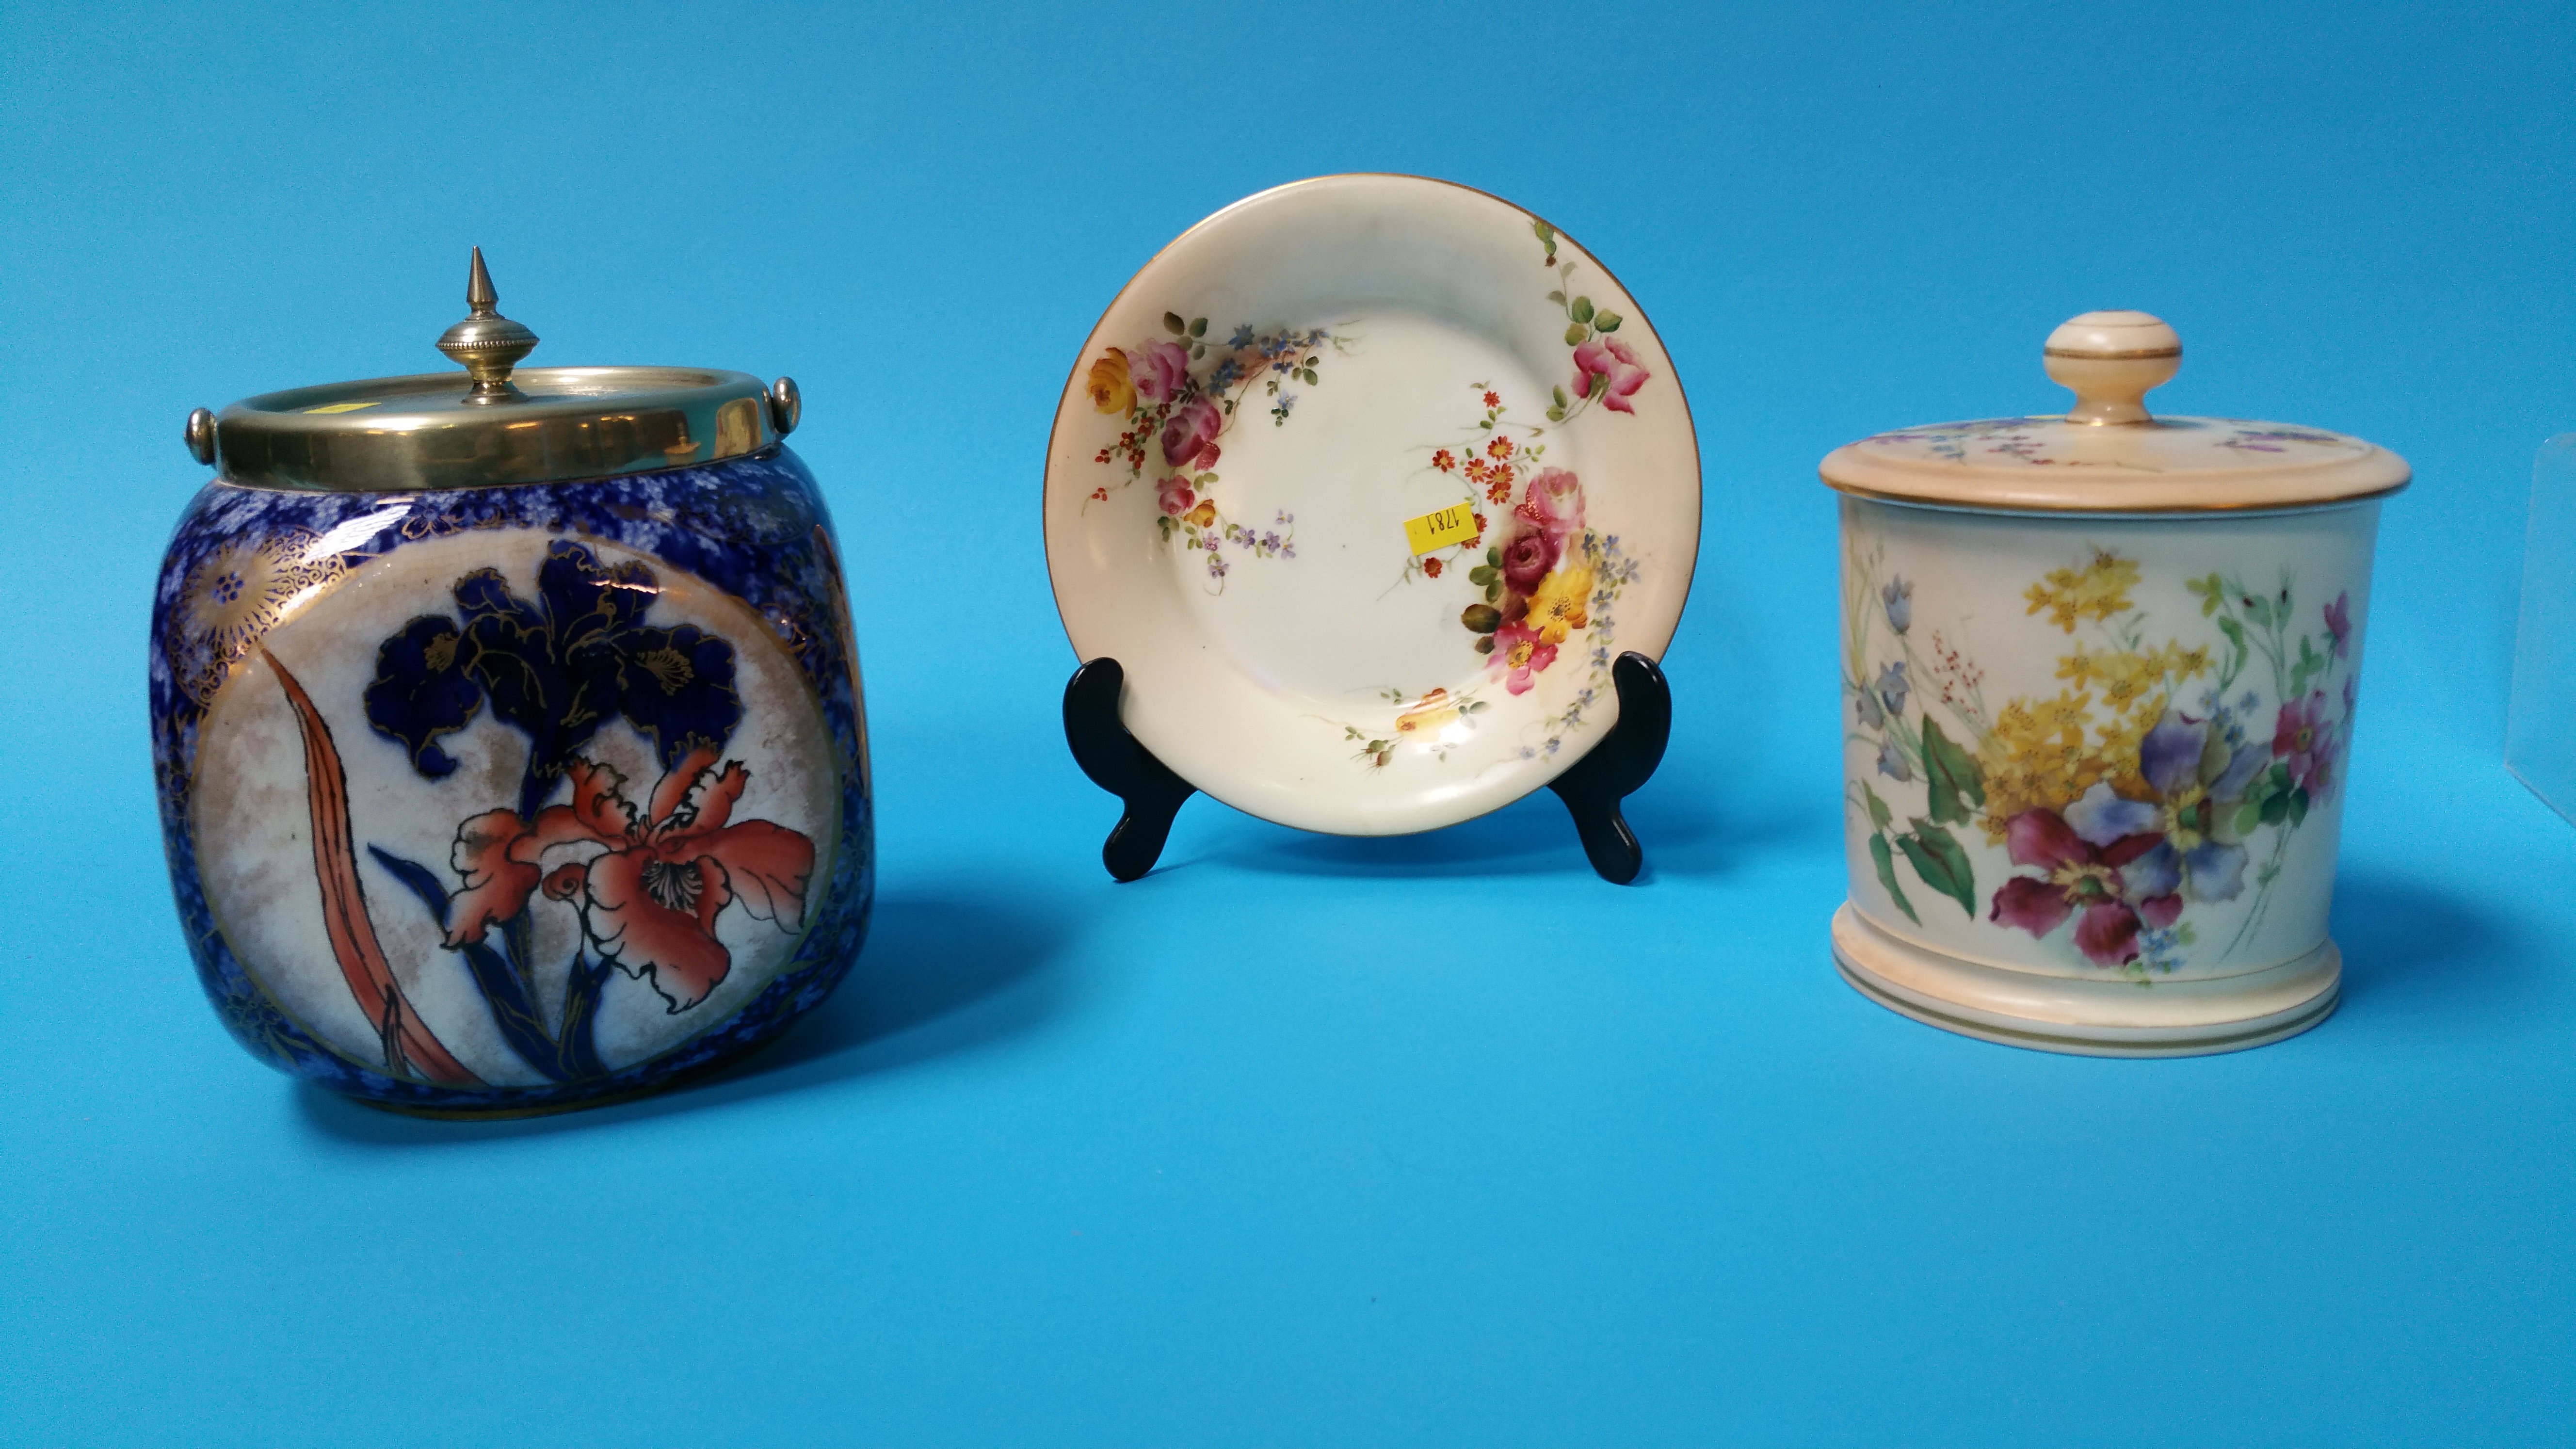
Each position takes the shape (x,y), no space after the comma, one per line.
(1557,607)
(1112,391)
(1435,710)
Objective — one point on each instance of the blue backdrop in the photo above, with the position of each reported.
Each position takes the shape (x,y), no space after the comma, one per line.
(1306,1139)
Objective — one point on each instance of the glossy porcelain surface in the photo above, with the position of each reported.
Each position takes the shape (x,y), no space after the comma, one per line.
(2108,453)
(2100,675)
(510,799)
(2163,465)
(1365,482)
(2100,749)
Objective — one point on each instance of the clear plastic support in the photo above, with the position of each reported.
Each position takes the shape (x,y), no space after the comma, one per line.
(2540,733)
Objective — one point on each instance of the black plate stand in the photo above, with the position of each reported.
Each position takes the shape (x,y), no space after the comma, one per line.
(1621,763)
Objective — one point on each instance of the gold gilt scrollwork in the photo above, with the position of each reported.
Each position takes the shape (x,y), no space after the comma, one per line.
(235,597)
(430,524)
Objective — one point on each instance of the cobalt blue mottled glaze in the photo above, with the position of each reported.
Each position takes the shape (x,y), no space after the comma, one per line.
(499,800)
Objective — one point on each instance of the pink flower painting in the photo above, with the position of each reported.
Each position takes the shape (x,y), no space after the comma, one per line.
(1606,368)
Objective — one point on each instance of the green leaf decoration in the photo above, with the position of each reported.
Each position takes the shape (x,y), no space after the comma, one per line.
(1481,618)
(1575,333)
(1942,862)
(1556,414)
(1561,398)
(1494,556)
(1607,321)
(1557,297)
(1172,323)
(1581,310)
(2276,809)
(2235,633)
(1886,862)
(1493,593)
(1953,774)
(1879,814)
(1485,645)
(1481,574)
(2260,611)
(1198,351)
(2298,807)
(1545,232)
(1198,327)
(2248,815)
(1600,383)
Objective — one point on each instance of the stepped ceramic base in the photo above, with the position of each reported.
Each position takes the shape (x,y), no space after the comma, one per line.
(2106,1018)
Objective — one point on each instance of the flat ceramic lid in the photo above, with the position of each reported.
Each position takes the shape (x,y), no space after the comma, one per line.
(1365,482)
(2108,454)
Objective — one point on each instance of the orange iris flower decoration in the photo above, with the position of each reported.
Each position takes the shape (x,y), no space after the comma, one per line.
(650,899)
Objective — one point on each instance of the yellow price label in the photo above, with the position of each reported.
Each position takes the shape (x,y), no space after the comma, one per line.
(339,407)
(1435,531)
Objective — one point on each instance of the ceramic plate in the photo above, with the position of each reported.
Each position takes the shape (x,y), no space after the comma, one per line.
(1365,481)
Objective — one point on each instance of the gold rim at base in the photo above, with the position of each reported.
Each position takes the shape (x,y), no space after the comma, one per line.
(2086,1017)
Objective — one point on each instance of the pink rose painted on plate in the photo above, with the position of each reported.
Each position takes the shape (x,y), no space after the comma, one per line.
(1555,504)
(1528,553)
(1174,398)
(1605,368)
(1189,436)
(1160,371)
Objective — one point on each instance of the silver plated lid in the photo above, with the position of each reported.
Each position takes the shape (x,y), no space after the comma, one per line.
(494,423)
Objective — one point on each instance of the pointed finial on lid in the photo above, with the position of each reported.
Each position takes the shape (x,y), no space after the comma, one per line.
(486,343)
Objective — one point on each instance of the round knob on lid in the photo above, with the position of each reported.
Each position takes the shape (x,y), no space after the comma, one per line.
(2111,359)
(486,343)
